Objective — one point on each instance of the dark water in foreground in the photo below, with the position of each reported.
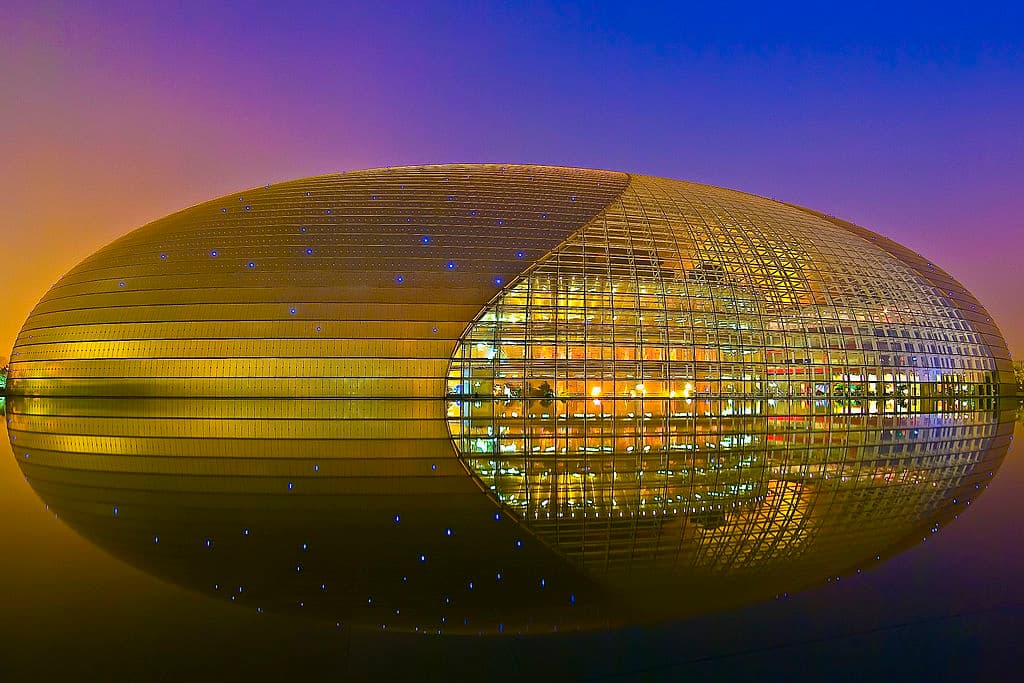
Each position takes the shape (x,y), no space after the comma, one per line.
(948,608)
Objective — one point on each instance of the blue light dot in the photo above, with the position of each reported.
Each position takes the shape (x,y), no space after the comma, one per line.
(423,558)
(163,256)
(208,543)
(309,251)
(213,253)
(425,239)
(498,280)
(316,468)
(223,210)
(400,279)
(156,539)
(302,229)
(499,576)
(433,467)
(520,254)
(451,265)
(398,518)
(318,328)
(298,568)
(448,532)
(245,532)
(115,512)
(292,311)
(327,211)
(470,585)
(247,207)
(543,215)
(305,546)
(572,598)
(519,543)
(120,284)
(572,198)
(472,213)
(290,486)
(434,330)
(501,222)
(497,516)
(543,583)
(252,264)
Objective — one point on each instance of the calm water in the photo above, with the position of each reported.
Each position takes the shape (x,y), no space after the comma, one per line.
(948,607)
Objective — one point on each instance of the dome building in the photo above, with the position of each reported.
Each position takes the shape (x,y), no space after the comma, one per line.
(383,282)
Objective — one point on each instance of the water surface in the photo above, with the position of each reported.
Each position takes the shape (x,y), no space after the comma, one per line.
(951,598)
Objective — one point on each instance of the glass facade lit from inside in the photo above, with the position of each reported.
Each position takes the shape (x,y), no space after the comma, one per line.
(659,362)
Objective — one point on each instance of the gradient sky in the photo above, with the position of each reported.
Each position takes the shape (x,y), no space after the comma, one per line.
(907,121)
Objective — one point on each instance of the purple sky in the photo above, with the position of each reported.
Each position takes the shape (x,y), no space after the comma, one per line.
(905,121)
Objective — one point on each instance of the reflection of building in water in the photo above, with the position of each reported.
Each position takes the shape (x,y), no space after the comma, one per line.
(747,491)
(876,475)
(272,504)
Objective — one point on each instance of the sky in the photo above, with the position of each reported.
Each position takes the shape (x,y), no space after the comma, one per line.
(906,120)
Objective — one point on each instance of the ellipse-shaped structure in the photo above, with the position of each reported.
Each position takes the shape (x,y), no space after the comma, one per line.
(640,373)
